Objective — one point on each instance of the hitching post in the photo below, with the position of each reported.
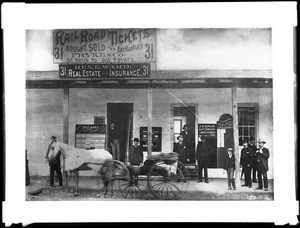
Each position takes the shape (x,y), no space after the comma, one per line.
(235,135)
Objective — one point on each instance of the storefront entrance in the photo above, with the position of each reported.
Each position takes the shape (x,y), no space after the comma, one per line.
(119,114)
(185,115)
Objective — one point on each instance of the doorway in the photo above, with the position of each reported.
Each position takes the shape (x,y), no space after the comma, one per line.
(120,115)
(184,115)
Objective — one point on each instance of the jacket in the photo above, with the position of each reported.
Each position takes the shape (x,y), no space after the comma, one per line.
(203,151)
(247,157)
(180,149)
(263,157)
(229,162)
(136,155)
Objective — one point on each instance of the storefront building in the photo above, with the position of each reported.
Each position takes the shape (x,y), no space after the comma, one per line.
(207,100)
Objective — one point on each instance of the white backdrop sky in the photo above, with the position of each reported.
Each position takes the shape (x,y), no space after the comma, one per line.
(180,49)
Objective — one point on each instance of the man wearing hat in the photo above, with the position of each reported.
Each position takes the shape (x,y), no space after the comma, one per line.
(246,162)
(179,148)
(262,155)
(136,157)
(202,158)
(188,141)
(254,167)
(229,166)
(54,163)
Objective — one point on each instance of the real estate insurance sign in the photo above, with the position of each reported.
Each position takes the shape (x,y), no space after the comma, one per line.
(104,46)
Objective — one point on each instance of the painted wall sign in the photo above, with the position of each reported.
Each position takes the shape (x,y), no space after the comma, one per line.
(90,128)
(207,130)
(89,136)
(104,45)
(225,121)
(104,70)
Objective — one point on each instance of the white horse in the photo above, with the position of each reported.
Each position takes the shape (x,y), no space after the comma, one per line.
(81,159)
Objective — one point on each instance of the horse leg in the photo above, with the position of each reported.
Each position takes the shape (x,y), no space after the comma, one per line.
(76,179)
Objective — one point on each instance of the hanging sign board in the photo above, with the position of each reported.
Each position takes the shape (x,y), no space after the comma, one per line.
(207,130)
(104,45)
(89,136)
(104,70)
(225,122)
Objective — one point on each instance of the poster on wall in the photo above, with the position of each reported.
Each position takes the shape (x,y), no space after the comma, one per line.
(104,46)
(90,136)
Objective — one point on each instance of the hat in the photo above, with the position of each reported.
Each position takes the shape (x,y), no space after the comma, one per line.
(136,140)
(261,141)
(229,149)
(251,138)
(179,136)
(203,137)
(186,125)
(53,137)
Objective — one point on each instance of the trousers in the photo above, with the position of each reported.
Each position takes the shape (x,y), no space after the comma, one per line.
(115,149)
(247,171)
(202,165)
(55,168)
(230,179)
(262,174)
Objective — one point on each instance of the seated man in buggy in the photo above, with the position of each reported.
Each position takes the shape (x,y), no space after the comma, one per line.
(136,158)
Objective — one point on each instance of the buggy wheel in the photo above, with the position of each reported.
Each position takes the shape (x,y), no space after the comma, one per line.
(168,179)
(114,177)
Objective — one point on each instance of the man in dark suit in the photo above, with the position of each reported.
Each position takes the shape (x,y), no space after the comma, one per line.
(262,155)
(202,158)
(246,162)
(188,141)
(254,167)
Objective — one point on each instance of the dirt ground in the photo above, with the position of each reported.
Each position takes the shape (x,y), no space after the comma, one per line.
(89,191)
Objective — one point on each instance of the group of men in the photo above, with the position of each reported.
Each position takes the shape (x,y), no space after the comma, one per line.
(185,148)
(254,160)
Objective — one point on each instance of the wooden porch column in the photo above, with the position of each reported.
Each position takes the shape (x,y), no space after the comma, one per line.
(235,135)
(65,126)
(149,120)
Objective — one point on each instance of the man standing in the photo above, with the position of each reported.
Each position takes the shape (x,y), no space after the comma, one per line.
(202,158)
(114,142)
(188,141)
(246,162)
(254,167)
(179,148)
(54,162)
(262,155)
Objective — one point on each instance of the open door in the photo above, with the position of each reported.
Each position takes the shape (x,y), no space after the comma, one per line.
(119,114)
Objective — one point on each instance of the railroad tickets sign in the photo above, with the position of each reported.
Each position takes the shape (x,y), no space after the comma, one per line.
(105,70)
(104,45)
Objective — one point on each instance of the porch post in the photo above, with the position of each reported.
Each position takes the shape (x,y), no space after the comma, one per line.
(149,121)
(235,135)
(65,126)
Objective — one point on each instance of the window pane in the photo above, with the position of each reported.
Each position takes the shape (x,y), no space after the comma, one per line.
(177,126)
(246,132)
(252,121)
(240,131)
(252,131)
(240,141)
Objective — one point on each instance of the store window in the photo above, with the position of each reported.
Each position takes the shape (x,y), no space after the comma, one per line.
(247,121)
(177,128)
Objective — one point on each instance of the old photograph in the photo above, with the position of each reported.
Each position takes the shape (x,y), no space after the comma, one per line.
(93,94)
(181,112)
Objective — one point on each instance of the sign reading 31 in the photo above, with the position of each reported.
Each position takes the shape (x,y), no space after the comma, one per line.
(104,46)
